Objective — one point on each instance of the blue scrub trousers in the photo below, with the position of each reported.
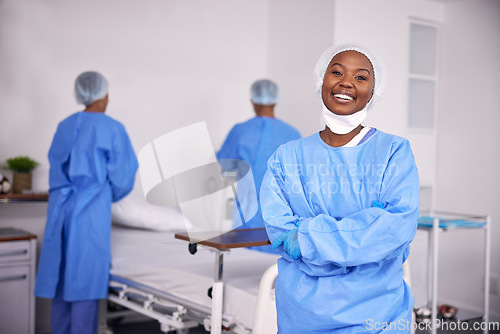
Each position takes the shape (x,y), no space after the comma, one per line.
(79,317)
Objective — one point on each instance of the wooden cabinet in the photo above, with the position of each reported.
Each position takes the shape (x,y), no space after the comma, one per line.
(17,278)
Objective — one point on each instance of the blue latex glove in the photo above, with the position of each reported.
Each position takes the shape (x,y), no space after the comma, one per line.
(290,243)
(378,204)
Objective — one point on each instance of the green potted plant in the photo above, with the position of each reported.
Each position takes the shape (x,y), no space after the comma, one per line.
(21,166)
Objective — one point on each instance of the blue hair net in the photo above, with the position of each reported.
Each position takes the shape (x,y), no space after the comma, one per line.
(264,92)
(90,87)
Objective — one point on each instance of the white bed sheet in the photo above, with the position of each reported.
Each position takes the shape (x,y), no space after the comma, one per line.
(160,261)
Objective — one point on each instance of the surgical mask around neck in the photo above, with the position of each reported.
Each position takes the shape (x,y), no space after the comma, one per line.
(342,124)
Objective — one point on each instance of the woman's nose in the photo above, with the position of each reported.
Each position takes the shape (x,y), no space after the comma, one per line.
(346,82)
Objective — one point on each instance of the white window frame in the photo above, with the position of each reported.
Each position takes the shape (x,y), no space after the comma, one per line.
(424,77)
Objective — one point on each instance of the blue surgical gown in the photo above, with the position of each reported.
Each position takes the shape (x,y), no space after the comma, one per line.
(350,277)
(255,141)
(92,163)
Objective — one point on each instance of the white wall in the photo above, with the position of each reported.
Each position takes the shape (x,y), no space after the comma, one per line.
(169,64)
(299,32)
(468,176)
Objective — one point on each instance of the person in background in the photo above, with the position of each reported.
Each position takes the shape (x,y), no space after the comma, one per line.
(255,140)
(341,206)
(92,164)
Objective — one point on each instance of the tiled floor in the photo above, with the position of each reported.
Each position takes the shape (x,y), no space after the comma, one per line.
(147,327)
(129,322)
(152,327)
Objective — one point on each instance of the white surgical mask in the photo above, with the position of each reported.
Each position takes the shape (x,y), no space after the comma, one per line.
(342,124)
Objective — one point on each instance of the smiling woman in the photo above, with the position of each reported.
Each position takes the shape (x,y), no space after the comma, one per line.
(343,234)
(348,83)
(348,88)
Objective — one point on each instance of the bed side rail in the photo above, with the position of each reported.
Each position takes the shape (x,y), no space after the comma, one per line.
(265,311)
(170,315)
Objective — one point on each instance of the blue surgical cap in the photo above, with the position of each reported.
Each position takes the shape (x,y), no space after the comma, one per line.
(264,92)
(90,87)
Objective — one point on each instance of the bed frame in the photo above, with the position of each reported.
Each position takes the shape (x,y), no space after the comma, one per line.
(178,314)
(175,314)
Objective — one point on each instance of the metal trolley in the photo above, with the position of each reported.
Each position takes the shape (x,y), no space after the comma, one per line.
(434,222)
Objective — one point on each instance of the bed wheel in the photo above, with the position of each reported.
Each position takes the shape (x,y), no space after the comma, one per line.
(209,292)
(193,247)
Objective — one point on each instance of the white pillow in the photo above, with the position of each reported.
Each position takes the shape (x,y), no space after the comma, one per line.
(134,211)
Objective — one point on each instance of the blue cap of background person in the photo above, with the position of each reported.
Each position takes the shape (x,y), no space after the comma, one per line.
(90,87)
(264,92)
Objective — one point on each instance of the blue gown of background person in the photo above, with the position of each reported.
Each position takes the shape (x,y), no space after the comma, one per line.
(92,163)
(255,141)
(349,278)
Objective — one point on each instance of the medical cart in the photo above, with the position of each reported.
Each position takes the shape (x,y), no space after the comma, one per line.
(435,222)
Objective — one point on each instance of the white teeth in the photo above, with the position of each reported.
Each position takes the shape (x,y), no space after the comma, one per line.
(343,96)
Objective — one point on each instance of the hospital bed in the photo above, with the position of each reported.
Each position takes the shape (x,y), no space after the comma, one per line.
(154,274)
